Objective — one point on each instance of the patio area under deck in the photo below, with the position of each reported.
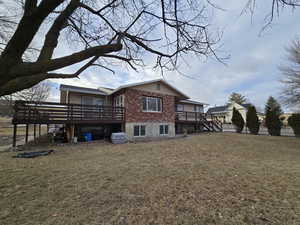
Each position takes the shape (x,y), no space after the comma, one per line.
(37,113)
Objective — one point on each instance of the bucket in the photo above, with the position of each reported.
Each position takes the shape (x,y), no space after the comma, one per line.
(88,136)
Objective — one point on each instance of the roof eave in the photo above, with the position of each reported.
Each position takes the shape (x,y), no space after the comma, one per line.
(79,90)
(149,82)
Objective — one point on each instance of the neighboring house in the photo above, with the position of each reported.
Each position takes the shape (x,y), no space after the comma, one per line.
(142,110)
(224,113)
(284,118)
(261,117)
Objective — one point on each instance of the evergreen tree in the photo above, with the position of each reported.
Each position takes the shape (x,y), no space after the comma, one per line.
(252,121)
(294,122)
(237,120)
(237,98)
(273,111)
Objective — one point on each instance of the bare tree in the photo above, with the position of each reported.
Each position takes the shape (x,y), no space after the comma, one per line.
(291,72)
(276,7)
(39,92)
(106,31)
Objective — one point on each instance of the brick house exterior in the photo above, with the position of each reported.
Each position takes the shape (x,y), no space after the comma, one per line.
(138,123)
(134,112)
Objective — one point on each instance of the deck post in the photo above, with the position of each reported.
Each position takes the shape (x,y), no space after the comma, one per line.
(123,127)
(15,135)
(70,130)
(26,134)
(34,132)
(39,130)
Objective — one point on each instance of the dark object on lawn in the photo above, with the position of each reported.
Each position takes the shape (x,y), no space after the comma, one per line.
(33,154)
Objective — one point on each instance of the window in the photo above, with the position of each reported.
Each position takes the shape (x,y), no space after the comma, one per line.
(139,130)
(198,108)
(86,100)
(119,101)
(151,104)
(158,87)
(163,129)
(179,107)
(98,101)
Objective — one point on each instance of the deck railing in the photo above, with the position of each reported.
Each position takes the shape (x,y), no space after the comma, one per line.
(52,112)
(198,117)
(189,116)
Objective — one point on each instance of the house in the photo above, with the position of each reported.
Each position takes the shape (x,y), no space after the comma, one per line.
(148,109)
(261,117)
(285,118)
(224,113)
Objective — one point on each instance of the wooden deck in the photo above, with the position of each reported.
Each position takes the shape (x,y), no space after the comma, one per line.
(189,117)
(27,112)
(209,122)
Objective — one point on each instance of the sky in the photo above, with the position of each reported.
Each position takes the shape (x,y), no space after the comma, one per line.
(251,70)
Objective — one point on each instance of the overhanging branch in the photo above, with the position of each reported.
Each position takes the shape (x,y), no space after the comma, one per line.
(54,64)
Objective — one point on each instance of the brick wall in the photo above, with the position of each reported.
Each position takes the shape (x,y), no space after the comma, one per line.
(134,110)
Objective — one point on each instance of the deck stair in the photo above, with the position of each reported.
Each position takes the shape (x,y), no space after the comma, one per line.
(207,121)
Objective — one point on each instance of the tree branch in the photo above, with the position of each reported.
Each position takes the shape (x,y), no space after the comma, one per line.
(27,28)
(54,64)
(53,33)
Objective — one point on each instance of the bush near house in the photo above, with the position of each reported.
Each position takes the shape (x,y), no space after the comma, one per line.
(237,120)
(252,121)
(294,122)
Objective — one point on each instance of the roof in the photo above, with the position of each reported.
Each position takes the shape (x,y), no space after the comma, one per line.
(187,101)
(247,105)
(64,87)
(108,91)
(217,109)
(223,108)
(149,82)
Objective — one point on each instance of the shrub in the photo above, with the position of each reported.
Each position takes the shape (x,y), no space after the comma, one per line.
(273,111)
(252,121)
(294,122)
(237,120)
(273,123)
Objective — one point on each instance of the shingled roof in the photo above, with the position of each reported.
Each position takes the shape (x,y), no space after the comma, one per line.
(223,108)
(217,109)
(64,87)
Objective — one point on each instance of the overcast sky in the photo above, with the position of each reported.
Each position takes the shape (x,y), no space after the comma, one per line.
(251,70)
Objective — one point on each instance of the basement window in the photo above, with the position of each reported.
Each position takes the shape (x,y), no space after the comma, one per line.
(163,129)
(139,130)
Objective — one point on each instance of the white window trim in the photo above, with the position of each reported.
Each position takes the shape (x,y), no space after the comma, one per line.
(119,101)
(151,111)
(177,105)
(164,129)
(141,136)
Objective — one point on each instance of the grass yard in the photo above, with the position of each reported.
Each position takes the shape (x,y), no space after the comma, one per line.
(209,179)
(6,132)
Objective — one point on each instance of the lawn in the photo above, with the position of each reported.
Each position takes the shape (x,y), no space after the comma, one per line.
(6,131)
(208,179)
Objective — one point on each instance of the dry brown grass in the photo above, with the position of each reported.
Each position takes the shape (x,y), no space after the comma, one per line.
(208,179)
(6,133)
